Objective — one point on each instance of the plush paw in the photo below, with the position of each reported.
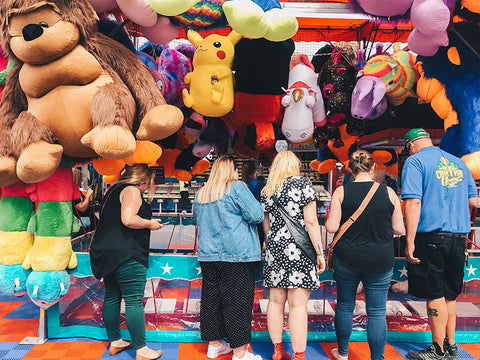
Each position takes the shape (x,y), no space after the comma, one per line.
(326,166)
(13,279)
(8,171)
(200,167)
(281,25)
(187,98)
(39,161)
(110,142)
(246,18)
(472,161)
(160,122)
(45,288)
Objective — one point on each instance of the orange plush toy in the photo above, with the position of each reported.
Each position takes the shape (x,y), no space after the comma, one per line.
(169,159)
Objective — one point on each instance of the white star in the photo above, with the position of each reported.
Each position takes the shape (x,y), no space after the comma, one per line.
(199,269)
(166,269)
(471,270)
(403,272)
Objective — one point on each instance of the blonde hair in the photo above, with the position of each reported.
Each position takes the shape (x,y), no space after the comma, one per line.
(285,164)
(138,174)
(218,184)
(360,161)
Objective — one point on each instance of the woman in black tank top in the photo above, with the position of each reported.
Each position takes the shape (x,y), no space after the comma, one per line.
(119,255)
(364,253)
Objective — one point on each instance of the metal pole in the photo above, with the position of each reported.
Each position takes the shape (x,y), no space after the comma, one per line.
(42,331)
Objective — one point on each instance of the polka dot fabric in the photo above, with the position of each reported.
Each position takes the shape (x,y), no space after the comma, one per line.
(285,264)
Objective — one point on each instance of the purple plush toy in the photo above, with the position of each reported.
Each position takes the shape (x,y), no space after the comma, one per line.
(368,98)
(174,66)
(430,18)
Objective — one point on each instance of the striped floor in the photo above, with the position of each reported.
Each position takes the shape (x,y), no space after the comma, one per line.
(19,319)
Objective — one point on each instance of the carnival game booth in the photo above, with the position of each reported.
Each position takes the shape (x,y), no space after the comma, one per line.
(167,110)
(172,305)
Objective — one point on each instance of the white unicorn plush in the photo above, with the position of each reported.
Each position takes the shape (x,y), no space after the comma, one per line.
(303,103)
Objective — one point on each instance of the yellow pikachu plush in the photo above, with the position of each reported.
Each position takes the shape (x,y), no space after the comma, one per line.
(211,82)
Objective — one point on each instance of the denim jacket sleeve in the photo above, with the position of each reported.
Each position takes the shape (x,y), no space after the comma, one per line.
(252,210)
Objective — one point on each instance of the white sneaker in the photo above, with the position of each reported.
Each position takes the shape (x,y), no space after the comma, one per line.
(248,356)
(214,352)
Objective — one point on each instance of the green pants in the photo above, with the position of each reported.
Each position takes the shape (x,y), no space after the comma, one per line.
(128,281)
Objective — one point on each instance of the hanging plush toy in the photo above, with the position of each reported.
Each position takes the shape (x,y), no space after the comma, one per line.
(431,19)
(169,161)
(390,76)
(116,103)
(250,18)
(173,66)
(368,97)
(67,99)
(261,71)
(330,151)
(303,103)
(156,28)
(457,69)
(337,79)
(214,135)
(211,82)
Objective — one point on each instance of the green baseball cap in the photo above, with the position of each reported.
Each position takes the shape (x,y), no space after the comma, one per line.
(415,134)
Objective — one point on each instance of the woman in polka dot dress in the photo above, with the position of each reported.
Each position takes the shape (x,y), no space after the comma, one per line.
(288,272)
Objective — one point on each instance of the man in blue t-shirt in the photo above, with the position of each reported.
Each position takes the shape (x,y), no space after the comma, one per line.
(438,190)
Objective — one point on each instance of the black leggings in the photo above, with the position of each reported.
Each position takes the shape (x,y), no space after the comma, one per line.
(227,300)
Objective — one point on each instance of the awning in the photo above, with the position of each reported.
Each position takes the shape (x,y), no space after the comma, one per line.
(326,21)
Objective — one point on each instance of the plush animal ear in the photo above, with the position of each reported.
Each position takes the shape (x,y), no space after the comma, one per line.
(234,37)
(360,54)
(393,66)
(453,56)
(419,67)
(337,57)
(194,37)
(378,93)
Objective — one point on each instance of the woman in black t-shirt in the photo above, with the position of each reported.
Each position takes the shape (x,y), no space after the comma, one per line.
(119,255)
(364,253)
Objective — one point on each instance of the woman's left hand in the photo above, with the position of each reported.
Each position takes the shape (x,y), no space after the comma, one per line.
(320,264)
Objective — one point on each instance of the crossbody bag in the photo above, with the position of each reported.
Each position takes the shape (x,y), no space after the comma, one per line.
(298,232)
(348,223)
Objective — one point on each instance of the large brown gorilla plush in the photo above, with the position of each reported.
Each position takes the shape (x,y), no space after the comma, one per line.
(73,92)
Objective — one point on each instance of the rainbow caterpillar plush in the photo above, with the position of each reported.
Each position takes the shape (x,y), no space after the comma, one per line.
(37,263)
(456,92)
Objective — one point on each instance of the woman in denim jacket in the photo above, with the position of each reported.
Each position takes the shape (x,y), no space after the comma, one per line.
(226,214)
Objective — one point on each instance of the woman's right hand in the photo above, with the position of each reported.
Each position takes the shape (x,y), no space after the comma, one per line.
(320,264)
(155,224)
(89,193)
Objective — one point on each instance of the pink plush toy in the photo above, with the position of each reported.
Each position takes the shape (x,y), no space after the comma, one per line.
(174,65)
(430,18)
(156,28)
(303,103)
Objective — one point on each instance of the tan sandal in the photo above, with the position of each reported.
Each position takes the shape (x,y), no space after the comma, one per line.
(114,350)
(337,356)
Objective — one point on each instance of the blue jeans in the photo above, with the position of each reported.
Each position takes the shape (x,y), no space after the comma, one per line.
(376,290)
